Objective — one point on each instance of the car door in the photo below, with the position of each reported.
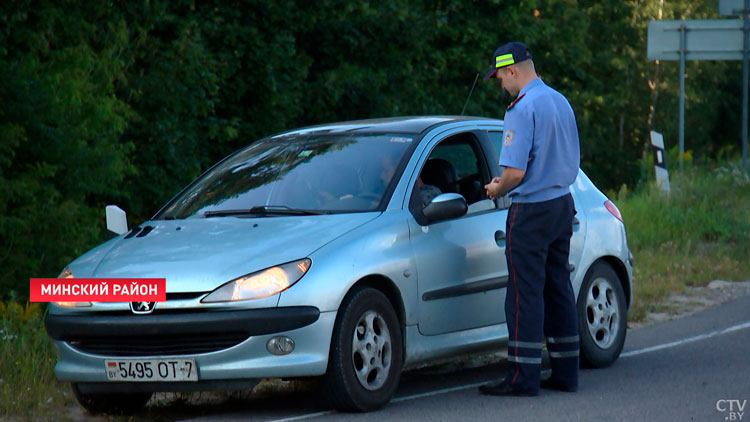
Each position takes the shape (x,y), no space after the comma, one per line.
(461,266)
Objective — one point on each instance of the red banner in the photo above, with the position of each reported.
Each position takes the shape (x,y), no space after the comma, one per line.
(97,289)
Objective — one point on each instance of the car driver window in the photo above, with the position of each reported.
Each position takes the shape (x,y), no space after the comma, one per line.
(454,167)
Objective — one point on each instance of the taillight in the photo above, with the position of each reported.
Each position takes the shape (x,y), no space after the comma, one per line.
(612,208)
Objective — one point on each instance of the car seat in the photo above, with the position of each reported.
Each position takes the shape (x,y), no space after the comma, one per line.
(441,173)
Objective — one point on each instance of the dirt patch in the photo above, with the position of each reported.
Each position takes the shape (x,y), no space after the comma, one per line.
(694,299)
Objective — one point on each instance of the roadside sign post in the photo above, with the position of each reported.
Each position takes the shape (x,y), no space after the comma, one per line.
(660,161)
(734,8)
(731,7)
(683,53)
(705,39)
(746,49)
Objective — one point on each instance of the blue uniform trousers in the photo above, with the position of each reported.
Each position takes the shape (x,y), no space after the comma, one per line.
(540,300)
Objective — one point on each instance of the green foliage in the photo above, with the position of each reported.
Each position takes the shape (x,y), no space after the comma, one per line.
(61,153)
(126,102)
(698,233)
(704,206)
(171,82)
(28,386)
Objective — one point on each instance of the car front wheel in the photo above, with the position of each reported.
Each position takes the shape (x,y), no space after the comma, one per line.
(602,316)
(115,403)
(366,353)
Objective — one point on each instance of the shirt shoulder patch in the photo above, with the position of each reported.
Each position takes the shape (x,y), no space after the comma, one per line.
(508,138)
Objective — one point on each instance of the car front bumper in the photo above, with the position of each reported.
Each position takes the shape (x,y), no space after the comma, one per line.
(84,343)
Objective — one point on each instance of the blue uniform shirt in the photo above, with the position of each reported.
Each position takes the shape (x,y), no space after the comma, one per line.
(541,138)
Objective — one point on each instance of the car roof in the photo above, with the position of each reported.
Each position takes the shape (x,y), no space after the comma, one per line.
(408,124)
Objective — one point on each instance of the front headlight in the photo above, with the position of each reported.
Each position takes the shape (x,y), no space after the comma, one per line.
(260,284)
(66,273)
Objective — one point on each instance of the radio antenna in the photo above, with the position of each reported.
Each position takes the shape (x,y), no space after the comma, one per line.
(470,92)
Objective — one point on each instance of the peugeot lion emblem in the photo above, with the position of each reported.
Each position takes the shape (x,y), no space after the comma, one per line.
(142,307)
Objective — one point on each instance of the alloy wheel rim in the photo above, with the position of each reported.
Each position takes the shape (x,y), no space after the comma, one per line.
(602,313)
(371,350)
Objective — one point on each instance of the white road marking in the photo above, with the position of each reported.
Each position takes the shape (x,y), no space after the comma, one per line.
(687,340)
(436,392)
(473,385)
(396,400)
(301,417)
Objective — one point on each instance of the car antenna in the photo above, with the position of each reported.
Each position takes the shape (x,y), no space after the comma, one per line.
(470,92)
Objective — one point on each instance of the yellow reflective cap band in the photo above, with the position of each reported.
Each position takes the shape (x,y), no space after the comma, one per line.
(504,60)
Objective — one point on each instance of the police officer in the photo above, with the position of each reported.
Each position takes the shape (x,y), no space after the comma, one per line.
(540,155)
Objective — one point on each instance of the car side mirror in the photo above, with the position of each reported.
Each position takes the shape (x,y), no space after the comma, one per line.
(117,220)
(445,207)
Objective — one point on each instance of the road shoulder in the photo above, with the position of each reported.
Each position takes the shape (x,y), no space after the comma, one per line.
(694,299)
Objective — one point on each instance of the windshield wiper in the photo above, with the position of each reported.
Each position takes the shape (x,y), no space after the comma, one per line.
(262,210)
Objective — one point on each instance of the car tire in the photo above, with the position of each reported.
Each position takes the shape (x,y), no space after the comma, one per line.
(366,354)
(602,316)
(113,403)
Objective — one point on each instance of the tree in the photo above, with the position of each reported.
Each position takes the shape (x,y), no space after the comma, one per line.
(60,147)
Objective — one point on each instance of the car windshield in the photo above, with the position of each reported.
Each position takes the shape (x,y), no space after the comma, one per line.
(295,175)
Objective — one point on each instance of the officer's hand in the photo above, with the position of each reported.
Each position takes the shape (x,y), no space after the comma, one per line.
(493,188)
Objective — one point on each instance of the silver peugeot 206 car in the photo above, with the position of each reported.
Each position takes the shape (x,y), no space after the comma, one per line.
(347,252)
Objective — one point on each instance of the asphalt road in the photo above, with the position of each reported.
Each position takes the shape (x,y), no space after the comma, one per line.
(696,367)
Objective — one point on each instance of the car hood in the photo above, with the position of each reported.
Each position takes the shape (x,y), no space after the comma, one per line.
(198,255)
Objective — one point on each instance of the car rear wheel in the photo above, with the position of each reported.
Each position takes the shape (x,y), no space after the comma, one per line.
(602,316)
(366,353)
(115,403)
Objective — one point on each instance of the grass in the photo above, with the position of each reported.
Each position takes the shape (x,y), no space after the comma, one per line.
(28,388)
(698,233)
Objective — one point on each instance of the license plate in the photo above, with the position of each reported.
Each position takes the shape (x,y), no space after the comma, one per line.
(151,370)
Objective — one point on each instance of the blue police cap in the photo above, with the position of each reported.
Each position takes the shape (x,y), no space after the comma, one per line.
(506,55)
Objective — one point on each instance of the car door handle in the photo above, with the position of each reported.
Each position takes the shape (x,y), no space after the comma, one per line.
(499,236)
